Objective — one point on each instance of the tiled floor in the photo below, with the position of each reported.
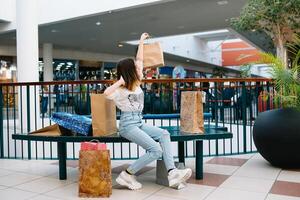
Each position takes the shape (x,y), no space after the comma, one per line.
(239,177)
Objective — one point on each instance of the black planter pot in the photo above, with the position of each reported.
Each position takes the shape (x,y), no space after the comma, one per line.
(276,134)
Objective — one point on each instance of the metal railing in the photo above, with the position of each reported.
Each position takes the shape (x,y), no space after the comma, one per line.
(234,103)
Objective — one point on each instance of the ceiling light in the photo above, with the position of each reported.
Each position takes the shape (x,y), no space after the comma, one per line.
(98,23)
(120,45)
(69,63)
(54,31)
(221,3)
(187,60)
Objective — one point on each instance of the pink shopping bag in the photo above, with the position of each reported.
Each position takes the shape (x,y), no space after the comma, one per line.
(92,145)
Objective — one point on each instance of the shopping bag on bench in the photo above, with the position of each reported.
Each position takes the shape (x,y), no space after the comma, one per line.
(104,119)
(153,55)
(52,130)
(191,112)
(94,173)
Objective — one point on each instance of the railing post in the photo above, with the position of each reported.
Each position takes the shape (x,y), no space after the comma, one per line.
(80,96)
(216,104)
(1,124)
(28,119)
(244,115)
(88,100)
(161,105)
(56,91)
(269,99)
(178,96)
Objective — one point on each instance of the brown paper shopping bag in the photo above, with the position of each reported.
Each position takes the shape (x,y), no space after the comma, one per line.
(52,130)
(94,173)
(103,115)
(191,112)
(153,55)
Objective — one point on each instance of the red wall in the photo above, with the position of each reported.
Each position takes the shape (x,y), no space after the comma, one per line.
(238,53)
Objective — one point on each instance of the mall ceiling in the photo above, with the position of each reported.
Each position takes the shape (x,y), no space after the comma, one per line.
(171,18)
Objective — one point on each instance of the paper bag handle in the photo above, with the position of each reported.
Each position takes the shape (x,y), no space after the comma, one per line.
(95,140)
(146,41)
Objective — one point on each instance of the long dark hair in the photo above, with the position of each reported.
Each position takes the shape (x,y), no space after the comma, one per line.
(126,68)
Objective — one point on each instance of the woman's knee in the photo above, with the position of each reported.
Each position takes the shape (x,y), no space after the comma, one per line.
(165,135)
(156,152)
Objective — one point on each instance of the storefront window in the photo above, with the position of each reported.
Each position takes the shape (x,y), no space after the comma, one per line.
(8,70)
(63,69)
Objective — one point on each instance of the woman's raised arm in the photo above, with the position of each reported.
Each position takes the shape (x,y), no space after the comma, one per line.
(140,55)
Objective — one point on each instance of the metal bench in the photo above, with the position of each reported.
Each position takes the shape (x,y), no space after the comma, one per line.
(176,136)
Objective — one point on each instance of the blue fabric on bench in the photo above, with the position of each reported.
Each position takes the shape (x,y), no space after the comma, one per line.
(77,123)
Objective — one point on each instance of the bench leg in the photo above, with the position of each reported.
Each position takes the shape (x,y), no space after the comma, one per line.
(62,159)
(199,159)
(181,151)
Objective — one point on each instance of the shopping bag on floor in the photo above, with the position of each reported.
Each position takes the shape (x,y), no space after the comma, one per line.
(104,120)
(153,55)
(95,173)
(92,145)
(191,112)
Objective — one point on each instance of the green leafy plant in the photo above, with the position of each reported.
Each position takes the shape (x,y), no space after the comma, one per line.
(279,19)
(286,80)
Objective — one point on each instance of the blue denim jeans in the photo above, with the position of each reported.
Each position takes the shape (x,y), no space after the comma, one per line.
(133,128)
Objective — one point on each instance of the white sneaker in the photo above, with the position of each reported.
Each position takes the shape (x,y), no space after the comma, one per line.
(129,181)
(181,186)
(177,176)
